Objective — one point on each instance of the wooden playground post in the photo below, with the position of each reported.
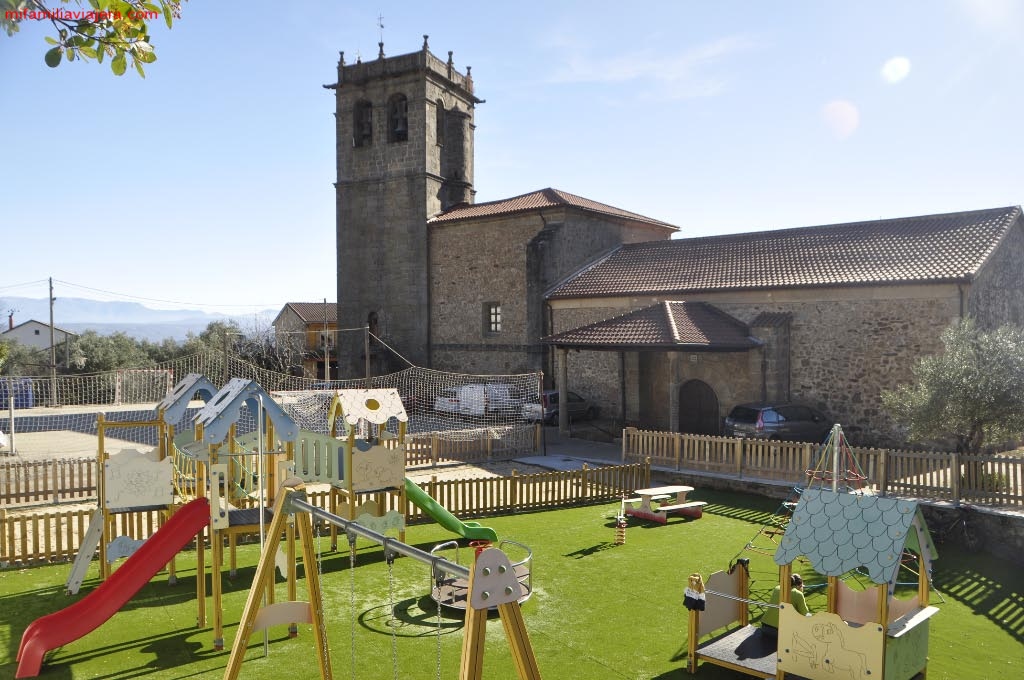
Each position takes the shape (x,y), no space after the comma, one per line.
(251,622)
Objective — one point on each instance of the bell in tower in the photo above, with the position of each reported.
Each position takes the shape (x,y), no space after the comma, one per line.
(398,119)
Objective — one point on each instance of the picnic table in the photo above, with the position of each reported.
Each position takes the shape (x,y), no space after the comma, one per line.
(671,500)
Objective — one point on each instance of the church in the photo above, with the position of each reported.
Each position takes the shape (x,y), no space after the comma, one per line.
(660,332)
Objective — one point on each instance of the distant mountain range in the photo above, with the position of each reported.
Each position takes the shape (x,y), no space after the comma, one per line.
(131,318)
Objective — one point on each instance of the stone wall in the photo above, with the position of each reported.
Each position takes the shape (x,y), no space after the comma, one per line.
(845,352)
(596,376)
(387,189)
(847,346)
(510,260)
(472,264)
(996,297)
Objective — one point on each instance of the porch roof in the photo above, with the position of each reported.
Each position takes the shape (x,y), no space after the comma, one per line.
(680,325)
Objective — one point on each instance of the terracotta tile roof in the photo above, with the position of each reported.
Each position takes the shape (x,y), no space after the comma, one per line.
(545,198)
(929,248)
(681,325)
(313,312)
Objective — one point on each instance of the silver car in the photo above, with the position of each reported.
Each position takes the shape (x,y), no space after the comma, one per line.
(579,408)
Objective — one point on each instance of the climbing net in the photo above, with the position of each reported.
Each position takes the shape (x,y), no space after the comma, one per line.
(837,466)
(448,407)
(451,406)
(835,462)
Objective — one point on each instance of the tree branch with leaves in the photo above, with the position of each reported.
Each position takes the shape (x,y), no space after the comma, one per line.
(114,29)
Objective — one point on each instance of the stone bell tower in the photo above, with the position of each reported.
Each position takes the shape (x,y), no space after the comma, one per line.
(405,153)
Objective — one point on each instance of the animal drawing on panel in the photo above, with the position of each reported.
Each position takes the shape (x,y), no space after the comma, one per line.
(836,657)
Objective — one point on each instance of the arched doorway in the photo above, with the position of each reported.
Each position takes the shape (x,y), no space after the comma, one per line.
(698,408)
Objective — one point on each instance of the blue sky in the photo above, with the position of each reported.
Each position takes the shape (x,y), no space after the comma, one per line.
(209,184)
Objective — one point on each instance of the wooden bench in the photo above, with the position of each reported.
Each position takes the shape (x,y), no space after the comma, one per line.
(690,508)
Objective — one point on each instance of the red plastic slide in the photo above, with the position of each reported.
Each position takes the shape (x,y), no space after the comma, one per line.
(89,613)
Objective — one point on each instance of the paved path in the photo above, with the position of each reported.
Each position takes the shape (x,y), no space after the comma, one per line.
(566,453)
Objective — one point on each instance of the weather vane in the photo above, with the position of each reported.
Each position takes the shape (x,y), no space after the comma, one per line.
(380,27)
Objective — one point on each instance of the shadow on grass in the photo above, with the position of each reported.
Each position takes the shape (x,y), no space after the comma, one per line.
(410,618)
(8,670)
(592,550)
(990,587)
(171,650)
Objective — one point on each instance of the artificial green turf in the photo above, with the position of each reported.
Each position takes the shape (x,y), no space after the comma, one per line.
(599,610)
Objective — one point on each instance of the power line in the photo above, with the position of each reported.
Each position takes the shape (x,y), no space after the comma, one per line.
(23,285)
(166,302)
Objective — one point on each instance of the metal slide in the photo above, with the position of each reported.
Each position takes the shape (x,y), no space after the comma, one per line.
(89,613)
(439,514)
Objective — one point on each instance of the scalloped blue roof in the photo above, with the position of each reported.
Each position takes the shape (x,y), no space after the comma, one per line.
(839,532)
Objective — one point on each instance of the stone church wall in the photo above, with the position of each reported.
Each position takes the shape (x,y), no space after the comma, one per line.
(847,346)
(595,376)
(511,261)
(997,296)
(845,352)
(475,263)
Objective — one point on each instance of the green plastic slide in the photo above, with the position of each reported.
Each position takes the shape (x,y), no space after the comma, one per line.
(435,510)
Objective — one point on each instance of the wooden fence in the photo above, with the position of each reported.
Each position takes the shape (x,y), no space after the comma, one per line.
(40,482)
(29,537)
(984,479)
(47,481)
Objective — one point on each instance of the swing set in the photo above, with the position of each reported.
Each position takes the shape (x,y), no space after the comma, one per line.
(492,580)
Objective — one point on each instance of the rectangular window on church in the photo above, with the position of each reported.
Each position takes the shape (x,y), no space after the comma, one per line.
(492,317)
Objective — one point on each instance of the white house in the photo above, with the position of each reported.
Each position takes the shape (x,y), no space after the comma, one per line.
(35,334)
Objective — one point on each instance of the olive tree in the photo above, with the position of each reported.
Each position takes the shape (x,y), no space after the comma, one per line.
(972,392)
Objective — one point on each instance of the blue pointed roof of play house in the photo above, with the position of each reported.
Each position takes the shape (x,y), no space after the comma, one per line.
(839,532)
(225,406)
(174,405)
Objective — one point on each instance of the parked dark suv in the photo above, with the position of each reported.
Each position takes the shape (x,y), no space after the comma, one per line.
(789,422)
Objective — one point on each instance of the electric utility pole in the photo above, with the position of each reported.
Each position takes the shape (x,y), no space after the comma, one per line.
(53,352)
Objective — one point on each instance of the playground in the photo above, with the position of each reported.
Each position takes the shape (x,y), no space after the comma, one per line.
(351,587)
(600,610)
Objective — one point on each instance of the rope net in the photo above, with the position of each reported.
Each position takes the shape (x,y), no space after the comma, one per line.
(449,406)
(835,462)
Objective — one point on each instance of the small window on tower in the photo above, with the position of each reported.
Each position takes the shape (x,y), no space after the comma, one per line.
(398,118)
(362,124)
(492,317)
(439,121)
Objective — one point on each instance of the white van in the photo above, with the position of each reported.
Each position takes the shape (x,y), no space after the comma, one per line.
(480,399)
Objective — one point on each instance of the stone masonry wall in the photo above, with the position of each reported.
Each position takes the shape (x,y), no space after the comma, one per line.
(386,190)
(472,264)
(844,352)
(997,295)
(595,375)
(509,260)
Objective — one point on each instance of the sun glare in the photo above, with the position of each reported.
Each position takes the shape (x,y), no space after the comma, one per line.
(841,117)
(896,69)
